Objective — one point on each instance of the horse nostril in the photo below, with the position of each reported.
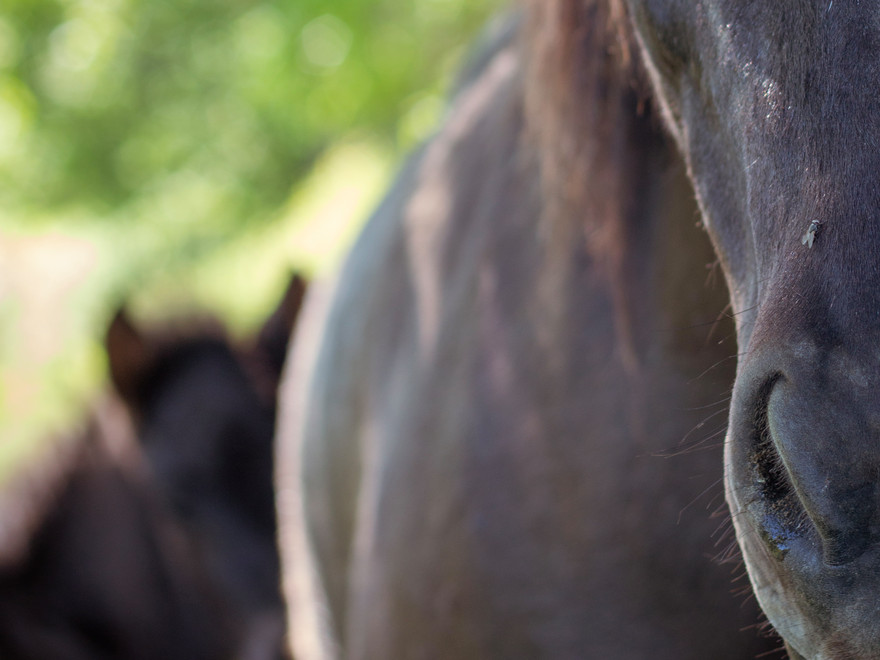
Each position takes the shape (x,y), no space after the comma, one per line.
(770,472)
(792,487)
(784,515)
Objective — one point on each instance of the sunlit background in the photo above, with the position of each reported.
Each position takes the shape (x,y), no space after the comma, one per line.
(188,154)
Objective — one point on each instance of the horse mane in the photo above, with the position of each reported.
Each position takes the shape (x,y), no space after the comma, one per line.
(585,101)
(590,118)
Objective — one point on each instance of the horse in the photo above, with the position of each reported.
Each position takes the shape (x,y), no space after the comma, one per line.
(501,433)
(152,533)
(773,107)
(204,415)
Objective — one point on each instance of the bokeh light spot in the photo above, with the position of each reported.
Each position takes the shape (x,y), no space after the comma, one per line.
(326,41)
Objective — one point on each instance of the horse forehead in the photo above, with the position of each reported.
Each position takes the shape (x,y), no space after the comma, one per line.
(816,36)
(780,30)
(792,82)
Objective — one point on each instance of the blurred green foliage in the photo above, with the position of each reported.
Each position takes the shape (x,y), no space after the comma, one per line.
(178,150)
(106,103)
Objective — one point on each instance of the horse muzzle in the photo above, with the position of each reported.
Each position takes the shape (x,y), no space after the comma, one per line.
(803,484)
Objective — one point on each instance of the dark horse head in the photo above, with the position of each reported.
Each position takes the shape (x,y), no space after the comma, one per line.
(774,106)
(204,413)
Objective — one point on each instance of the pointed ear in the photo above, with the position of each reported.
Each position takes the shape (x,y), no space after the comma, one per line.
(274,337)
(129,356)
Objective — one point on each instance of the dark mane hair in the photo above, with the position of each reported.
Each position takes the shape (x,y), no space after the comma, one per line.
(598,139)
(585,102)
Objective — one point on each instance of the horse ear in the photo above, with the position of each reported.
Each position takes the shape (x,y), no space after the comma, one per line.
(274,337)
(128,354)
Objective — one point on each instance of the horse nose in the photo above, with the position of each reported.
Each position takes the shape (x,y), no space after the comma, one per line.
(805,448)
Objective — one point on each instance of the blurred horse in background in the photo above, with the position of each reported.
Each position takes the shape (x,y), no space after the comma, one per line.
(152,534)
(204,414)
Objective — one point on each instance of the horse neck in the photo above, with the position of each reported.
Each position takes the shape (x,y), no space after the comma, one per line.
(667,292)
(657,302)
(634,212)
(608,170)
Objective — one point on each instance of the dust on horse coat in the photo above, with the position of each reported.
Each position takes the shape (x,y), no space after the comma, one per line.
(482,435)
